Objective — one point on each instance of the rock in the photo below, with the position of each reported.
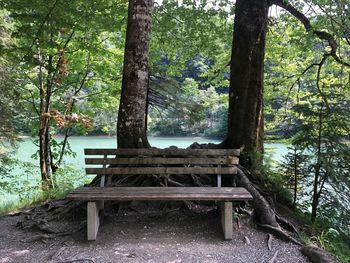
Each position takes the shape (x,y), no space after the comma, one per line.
(246,240)
(317,255)
(131,255)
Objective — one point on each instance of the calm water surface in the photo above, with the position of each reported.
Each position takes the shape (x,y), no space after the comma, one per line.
(78,143)
(27,148)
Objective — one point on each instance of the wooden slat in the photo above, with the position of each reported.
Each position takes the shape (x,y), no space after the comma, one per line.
(162,170)
(160,193)
(157,189)
(162,160)
(168,152)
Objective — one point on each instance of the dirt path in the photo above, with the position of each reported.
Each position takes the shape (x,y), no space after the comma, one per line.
(133,238)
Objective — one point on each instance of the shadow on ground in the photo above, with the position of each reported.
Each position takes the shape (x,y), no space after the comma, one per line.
(135,237)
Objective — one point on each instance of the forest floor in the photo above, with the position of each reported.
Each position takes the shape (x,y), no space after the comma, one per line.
(138,237)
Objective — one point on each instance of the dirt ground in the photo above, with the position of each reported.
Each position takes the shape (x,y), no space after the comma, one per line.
(135,237)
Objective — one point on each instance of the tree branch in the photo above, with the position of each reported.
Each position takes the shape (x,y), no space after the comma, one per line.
(323,35)
(43,23)
(60,58)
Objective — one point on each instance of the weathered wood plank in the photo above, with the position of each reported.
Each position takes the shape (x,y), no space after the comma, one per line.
(161,152)
(164,160)
(157,197)
(162,170)
(160,193)
(226,219)
(184,190)
(93,219)
(160,188)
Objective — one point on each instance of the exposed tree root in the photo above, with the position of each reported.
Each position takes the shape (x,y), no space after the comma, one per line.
(273,223)
(286,224)
(262,210)
(264,214)
(39,218)
(42,237)
(279,233)
(317,255)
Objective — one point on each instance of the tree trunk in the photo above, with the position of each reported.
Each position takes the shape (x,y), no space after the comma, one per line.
(245,116)
(295,178)
(45,158)
(131,126)
(315,190)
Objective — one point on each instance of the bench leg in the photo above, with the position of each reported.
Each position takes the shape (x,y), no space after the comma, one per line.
(226,219)
(93,219)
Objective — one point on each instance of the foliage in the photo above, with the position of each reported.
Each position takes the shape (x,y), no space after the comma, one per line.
(18,181)
(190,111)
(9,112)
(65,59)
(69,178)
(327,237)
(16,178)
(306,96)
(292,171)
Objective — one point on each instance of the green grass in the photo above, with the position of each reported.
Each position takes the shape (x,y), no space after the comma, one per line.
(331,236)
(35,199)
(330,240)
(66,179)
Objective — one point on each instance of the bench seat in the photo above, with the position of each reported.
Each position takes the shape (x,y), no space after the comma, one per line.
(160,193)
(158,162)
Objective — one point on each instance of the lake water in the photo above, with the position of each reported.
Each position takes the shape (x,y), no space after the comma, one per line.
(78,143)
(27,148)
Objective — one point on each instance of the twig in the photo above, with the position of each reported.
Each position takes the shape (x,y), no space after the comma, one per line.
(273,259)
(269,241)
(280,233)
(78,260)
(57,254)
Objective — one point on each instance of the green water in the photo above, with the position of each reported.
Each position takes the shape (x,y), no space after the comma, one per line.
(27,148)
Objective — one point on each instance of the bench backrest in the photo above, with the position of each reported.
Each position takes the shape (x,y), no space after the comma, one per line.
(162,161)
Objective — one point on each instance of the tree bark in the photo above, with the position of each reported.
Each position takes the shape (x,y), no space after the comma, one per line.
(45,158)
(296,172)
(245,116)
(131,126)
(315,190)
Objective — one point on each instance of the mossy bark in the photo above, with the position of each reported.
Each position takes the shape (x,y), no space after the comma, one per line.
(131,126)
(245,116)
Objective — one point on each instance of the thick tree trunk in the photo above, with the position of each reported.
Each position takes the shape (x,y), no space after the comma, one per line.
(131,126)
(245,116)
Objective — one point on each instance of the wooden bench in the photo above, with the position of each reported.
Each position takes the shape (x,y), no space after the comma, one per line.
(119,162)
